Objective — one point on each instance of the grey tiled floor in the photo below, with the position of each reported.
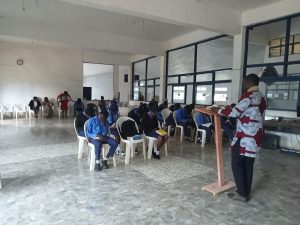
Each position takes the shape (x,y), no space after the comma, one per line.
(44,183)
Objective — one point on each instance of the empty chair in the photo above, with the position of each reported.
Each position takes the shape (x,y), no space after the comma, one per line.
(178,126)
(91,156)
(8,109)
(20,110)
(81,141)
(129,142)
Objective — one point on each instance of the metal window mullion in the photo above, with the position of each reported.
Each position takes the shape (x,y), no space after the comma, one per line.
(287,42)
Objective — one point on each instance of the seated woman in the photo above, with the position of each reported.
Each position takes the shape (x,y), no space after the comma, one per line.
(47,108)
(149,125)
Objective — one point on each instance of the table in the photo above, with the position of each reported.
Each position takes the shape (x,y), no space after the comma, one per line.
(221,185)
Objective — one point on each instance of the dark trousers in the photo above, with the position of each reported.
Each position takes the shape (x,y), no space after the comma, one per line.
(242,168)
(98,146)
(208,132)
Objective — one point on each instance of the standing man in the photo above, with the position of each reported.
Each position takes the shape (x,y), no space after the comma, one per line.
(248,138)
(98,134)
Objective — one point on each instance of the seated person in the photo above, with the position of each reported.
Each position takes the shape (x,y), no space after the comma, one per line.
(164,105)
(135,115)
(203,122)
(102,103)
(35,105)
(228,124)
(81,118)
(98,134)
(169,121)
(149,125)
(47,108)
(78,107)
(183,119)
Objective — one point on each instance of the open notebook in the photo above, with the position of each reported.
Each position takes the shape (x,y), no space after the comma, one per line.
(161,132)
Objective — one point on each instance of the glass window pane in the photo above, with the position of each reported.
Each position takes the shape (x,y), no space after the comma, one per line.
(259,40)
(136,83)
(294,70)
(172,80)
(157,81)
(223,75)
(275,52)
(142,83)
(157,90)
(222,92)
(169,93)
(189,94)
(187,79)
(150,94)
(142,92)
(140,69)
(181,61)
(136,91)
(275,42)
(150,82)
(215,54)
(153,68)
(270,71)
(204,77)
(204,94)
(295,24)
(178,94)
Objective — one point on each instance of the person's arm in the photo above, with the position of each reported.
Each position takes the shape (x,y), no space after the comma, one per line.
(90,129)
(239,108)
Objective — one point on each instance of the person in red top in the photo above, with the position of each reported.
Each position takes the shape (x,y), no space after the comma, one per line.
(248,137)
(64,101)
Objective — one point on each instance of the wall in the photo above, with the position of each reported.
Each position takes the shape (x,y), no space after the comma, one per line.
(124,87)
(100,78)
(47,71)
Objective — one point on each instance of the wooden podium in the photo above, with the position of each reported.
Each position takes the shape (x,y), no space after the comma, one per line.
(221,185)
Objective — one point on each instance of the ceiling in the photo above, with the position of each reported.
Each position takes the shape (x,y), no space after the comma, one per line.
(240,5)
(81,17)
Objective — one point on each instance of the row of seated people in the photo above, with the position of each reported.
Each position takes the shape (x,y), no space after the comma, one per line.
(101,125)
(184,118)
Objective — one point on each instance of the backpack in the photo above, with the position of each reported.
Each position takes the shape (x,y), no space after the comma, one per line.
(128,129)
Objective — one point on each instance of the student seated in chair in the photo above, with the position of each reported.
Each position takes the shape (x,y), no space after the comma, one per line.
(203,122)
(98,134)
(184,118)
(149,125)
(81,118)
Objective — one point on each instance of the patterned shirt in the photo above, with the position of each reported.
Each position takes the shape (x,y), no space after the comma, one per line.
(249,111)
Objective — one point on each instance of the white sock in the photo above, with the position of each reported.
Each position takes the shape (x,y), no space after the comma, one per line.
(97,161)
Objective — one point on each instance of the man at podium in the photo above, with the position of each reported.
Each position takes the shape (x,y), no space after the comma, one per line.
(248,137)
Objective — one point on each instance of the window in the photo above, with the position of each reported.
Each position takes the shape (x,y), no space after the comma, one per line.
(179,94)
(204,94)
(221,94)
(277,46)
(147,72)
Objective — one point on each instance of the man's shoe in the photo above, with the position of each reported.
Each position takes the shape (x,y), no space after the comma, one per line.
(97,167)
(236,196)
(105,165)
(155,156)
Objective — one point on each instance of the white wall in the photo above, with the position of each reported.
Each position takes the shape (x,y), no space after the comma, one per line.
(100,78)
(47,71)
(124,87)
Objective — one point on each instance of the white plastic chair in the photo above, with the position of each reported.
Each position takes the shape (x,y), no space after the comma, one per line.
(178,126)
(92,156)
(81,141)
(129,142)
(21,109)
(1,111)
(152,142)
(8,109)
(203,137)
(165,114)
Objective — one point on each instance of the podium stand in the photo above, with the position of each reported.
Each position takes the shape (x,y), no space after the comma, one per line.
(221,185)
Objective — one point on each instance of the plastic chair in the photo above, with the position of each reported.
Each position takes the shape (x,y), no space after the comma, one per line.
(203,137)
(129,142)
(81,141)
(178,126)
(91,153)
(9,108)
(165,114)
(152,142)
(21,109)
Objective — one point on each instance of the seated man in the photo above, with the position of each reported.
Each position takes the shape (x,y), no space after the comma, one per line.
(81,118)
(204,123)
(149,125)
(98,134)
(183,119)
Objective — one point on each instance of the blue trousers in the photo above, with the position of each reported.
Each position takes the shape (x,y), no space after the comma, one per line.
(81,133)
(98,146)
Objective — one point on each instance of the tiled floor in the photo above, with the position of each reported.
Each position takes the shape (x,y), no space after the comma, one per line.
(44,183)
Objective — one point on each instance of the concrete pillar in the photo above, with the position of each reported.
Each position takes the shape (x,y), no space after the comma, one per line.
(162,79)
(116,81)
(237,67)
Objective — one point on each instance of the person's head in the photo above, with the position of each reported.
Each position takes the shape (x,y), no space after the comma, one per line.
(46,99)
(91,110)
(35,98)
(102,115)
(78,99)
(153,110)
(249,81)
(66,93)
(102,97)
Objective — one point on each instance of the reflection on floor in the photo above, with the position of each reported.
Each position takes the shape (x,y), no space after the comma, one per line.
(44,183)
